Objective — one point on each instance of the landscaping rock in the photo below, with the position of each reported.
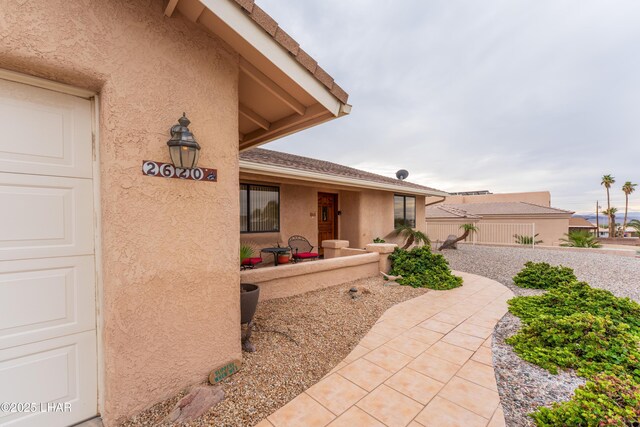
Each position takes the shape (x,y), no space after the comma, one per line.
(450,243)
(198,401)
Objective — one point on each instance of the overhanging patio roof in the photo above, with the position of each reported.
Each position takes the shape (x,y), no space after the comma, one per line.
(284,165)
(282,90)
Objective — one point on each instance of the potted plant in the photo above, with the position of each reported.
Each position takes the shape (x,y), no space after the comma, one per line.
(282,258)
(249,294)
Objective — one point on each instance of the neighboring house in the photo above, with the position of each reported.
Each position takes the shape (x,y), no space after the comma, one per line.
(580,224)
(542,198)
(117,290)
(498,222)
(283,195)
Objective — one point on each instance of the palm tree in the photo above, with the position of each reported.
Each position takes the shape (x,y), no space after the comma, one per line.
(635,224)
(627,188)
(608,181)
(611,213)
(411,236)
(580,239)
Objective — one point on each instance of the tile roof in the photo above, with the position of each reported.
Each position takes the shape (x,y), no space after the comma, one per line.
(271,27)
(579,222)
(450,210)
(277,158)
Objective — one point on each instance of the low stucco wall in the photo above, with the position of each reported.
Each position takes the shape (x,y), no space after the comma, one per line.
(293,279)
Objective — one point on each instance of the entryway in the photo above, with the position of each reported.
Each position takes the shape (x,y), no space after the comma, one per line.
(47,257)
(327,218)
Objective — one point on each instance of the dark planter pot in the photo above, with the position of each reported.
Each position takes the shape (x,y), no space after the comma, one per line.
(249,294)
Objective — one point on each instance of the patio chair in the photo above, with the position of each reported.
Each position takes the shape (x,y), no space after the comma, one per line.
(301,249)
(250,262)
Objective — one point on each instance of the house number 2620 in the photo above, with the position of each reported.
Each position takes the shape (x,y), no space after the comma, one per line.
(167,170)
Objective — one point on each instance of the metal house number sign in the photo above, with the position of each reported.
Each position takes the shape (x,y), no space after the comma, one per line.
(167,170)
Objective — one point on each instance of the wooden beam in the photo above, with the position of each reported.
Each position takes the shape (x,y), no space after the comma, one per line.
(312,112)
(271,86)
(171,6)
(254,117)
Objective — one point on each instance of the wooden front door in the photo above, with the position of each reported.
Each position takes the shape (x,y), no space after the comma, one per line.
(327,218)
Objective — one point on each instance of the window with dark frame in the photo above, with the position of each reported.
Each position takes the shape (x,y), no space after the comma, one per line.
(259,208)
(404,211)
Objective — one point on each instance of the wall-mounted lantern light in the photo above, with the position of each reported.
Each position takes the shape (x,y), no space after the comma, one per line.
(183,148)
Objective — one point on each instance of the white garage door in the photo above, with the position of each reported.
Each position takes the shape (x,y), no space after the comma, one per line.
(47,273)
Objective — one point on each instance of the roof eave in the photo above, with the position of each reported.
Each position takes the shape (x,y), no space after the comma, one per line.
(283,172)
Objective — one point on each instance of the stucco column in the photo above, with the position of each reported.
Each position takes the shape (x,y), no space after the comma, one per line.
(384,249)
(332,248)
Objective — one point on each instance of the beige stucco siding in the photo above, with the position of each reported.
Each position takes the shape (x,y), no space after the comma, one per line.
(365,214)
(169,247)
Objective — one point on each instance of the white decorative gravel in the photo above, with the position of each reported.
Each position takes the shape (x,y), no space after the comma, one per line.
(523,386)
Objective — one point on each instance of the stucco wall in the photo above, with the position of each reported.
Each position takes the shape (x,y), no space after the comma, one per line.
(294,279)
(170,247)
(365,214)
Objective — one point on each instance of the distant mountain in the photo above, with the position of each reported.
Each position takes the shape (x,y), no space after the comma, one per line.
(603,218)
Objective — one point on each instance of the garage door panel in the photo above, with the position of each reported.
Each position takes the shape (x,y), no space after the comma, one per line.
(45,216)
(44,298)
(44,132)
(57,370)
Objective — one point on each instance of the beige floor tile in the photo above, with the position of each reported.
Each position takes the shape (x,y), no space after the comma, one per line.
(423,335)
(390,406)
(479,373)
(437,326)
(388,358)
(487,342)
(498,418)
(301,411)
(463,340)
(387,330)
(336,393)
(481,321)
(356,353)
(449,352)
(483,355)
(264,423)
(356,417)
(415,424)
(373,340)
(365,374)
(443,413)
(454,318)
(434,367)
(408,346)
(471,396)
(415,385)
(474,330)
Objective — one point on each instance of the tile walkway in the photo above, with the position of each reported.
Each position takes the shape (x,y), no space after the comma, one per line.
(426,362)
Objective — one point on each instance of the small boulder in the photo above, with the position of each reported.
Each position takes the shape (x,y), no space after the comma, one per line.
(450,243)
(198,401)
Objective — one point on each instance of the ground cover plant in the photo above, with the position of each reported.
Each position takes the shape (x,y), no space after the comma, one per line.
(421,268)
(540,275)
(575,326)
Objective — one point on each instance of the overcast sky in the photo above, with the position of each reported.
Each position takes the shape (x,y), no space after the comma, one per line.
(499,95)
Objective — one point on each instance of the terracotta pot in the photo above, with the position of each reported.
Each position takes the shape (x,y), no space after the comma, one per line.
(283,259)
(249,294)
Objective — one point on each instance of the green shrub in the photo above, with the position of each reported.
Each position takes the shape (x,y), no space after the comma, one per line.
(574,326)
(577,297)
(605,401)
(421,268)
(580,239)
(581,341)
(543,276)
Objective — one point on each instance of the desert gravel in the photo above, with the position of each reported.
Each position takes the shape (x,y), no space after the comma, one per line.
(298,340)
(523,386)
